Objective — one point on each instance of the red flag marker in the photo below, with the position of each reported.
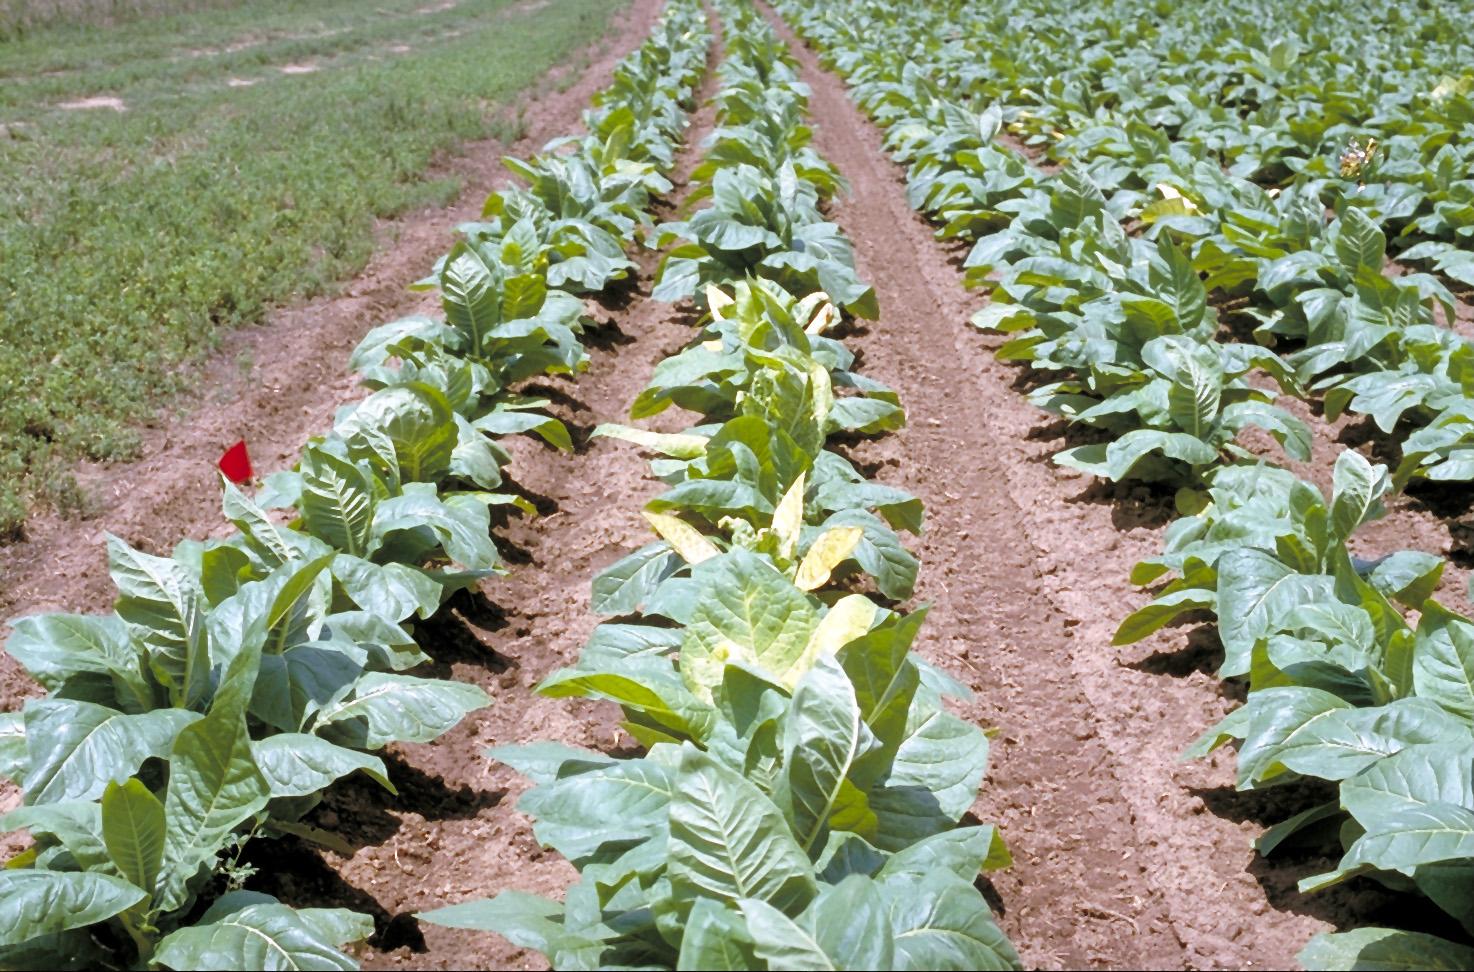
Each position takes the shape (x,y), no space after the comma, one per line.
(236,464)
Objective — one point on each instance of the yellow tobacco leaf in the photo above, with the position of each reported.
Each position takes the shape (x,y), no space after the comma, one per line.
(850,618)
(827,552)
(686,539)
(788,518)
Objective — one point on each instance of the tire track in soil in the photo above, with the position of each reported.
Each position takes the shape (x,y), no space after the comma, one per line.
(1124,857)
(275,384)
(453,834)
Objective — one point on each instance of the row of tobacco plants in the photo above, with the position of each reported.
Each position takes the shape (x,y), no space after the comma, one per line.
(1142,188)
(240,677)
(797,799)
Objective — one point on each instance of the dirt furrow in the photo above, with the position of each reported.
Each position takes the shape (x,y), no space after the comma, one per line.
(1124,857)
(452,833)
(273,385)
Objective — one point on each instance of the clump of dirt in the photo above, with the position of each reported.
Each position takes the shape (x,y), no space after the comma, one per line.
(298,69)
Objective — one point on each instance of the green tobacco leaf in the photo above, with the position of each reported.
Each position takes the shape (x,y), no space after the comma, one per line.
(782,942)
(1384,950)
(1410,576)
(1360,244)
(525,920)
(1161,612)
(75,824)
(850,923)
(253,521)
(544,762)
(942,922)
(625,801)
(879,553)
(76,748)
(1443,661)
(728,841)
(1407,838)
(502,421)
(825,737)
(214,784)
(224,569)
(12,745)
(884,679)
(266,936)
(53,647)
(934,779)
(1347,741)
(963,851)
(386,708)
(1272,718)
(650,687)
(460,523)
(624,585)
(1357,494)
(716,937)
(281,601)
(133,830)
(1254,590)
(393,591)
(164,606)
(296,764)
(746,611)
(1442,772)
(36,903)
(1196,378)
(419,420)
(471,292)
(293,686)
(1119,459)
(337,501)
(1179,284)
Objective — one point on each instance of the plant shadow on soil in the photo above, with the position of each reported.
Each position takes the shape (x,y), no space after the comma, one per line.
(358,811)
(308,881)
(1355,903)
(1133,504)
(459,633)
(1201,653)
(1449,503)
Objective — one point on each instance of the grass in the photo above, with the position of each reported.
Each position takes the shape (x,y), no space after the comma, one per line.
(129,240)
(20,17)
